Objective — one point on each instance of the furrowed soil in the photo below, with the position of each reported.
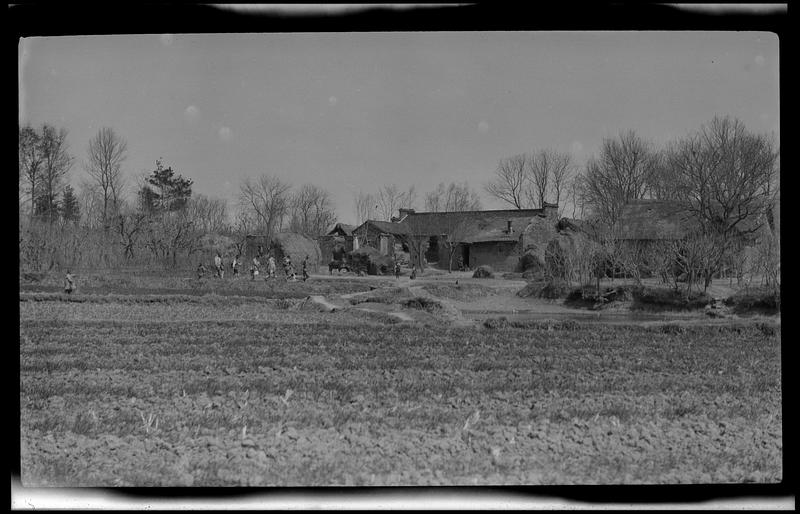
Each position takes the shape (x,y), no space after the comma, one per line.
(250,392)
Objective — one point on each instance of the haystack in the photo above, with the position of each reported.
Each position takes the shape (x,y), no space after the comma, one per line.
(297,247)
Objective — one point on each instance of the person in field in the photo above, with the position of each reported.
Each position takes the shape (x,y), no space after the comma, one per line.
(413,271)
(69,283)
(397,270)
(235,266)
(218,265)
(286,262)
(305,269)
(288,269)
(201,270)
(271,266)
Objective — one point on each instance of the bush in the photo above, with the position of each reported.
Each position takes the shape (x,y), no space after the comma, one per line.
(663,298)
(554,290)
(422,303)
(483,272)
(765,300)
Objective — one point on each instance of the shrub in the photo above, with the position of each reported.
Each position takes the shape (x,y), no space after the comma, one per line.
(554,289)
(483,272)
(760,299)
(422,303)
(663,298)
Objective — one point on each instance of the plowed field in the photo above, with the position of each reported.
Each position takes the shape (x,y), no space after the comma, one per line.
(258,393)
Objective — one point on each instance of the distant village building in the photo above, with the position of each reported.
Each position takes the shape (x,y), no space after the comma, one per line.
(497,238)
(650,220)
(642,224)
(653,220)
(336,243)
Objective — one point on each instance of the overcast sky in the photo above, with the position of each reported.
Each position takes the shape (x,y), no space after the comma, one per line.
(354,111)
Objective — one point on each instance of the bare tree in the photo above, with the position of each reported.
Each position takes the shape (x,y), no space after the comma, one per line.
(620,174)
(56,163)
(30,162)
(91,203)
(365,207)
(209,214)
(452,198)
(662,182)
(391,198)
(455,229)
(267,199)
(130,228)
(725,175)
(105,154)
(417,239)
(548,171)
(510,181)
(561,175)
(575,195)
(311,210)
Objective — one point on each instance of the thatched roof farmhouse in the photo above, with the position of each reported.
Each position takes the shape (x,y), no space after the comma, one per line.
(663,220)
(653,220)
(490,237)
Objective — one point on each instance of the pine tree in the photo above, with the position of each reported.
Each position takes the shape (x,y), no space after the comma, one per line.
(70,208)
(166,192)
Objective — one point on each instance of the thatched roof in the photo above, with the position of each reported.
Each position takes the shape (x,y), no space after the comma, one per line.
(387,227)
(495,229)
(469,226)
(437,223)
(653,220)
(296,246)
(667,220)
(342,229)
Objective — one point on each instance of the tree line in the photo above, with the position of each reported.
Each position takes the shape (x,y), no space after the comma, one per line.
(723,173)
(724,176)
(155,218)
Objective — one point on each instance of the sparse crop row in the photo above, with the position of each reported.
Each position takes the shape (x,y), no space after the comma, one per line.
(575,360)
(321,403)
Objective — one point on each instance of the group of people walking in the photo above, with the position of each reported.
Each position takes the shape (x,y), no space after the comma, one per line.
(255,267)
